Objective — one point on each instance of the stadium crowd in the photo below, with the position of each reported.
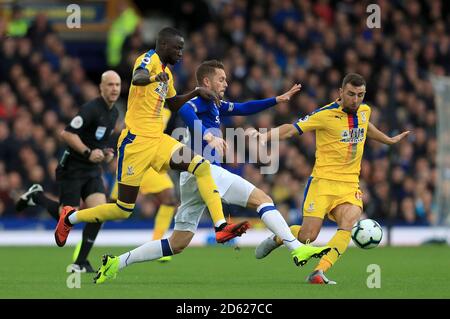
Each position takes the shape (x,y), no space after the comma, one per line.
(266,47)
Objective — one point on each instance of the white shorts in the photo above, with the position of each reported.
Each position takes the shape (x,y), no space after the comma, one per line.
(233,189)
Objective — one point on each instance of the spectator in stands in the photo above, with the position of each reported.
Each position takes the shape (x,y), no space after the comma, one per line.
(39,29)
(124,25)
(18,25)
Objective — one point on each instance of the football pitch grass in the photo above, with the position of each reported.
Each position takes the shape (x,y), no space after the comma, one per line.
(224,272)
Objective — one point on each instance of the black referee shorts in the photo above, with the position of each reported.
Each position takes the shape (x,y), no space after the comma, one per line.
(71,190)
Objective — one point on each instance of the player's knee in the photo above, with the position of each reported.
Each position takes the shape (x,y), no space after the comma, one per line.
(349,221)
(171,201)
(168,198)
(123,210)
(349,218)
(260,197)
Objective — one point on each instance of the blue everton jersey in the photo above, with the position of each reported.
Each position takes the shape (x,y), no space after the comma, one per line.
(209,115)
(203,116)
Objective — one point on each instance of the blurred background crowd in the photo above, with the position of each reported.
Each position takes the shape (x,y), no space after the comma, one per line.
(266,46)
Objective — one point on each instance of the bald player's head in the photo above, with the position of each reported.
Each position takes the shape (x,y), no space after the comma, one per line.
(110,87)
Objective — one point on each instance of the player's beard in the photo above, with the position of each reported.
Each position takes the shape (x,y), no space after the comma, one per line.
(349,110)
(219,93)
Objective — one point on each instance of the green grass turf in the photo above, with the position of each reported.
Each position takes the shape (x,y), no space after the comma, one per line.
(223,272)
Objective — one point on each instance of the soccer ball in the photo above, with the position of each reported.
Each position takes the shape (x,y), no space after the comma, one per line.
(367,233)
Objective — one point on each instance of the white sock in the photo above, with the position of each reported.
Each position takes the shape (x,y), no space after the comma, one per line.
(276,223)
(149,251)
(73,218)
(220,222)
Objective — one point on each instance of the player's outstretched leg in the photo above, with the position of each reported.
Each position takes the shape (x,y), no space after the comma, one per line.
(287,236)
(276,223)
(339,242)
(111,265)
(346,216)
(300,255)
(266,247)
(201,169)
(163,219)
(273,242)
(164,216)
(69,216)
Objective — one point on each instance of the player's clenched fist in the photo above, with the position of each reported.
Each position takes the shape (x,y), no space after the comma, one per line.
(160,77)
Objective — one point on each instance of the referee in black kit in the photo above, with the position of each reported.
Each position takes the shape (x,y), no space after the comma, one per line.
(79,173)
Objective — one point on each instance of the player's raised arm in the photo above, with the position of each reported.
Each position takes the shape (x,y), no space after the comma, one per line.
(255,106)
(285,97)
(177,101)
(281,132)
(141,77)
(314,121)
(377,135)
